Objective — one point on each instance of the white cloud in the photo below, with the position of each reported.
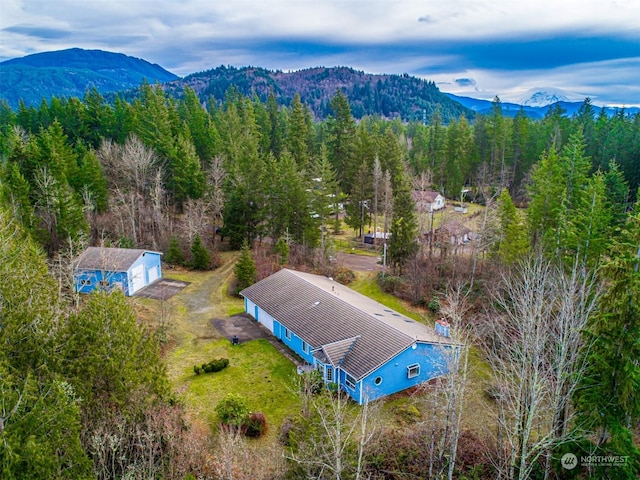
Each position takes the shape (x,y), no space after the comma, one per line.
(191,35)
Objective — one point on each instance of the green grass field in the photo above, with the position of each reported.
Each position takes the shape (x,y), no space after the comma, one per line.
(256,371)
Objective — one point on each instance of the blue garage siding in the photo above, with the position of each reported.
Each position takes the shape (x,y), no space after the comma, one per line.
(89,280)
(86,281)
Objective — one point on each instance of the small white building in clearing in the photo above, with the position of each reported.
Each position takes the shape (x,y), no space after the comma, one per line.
(428,201)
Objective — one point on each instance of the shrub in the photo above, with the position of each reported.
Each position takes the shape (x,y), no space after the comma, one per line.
(255,425)
(232,410)
(434,305)
(213,366)
(344,275)
(408,413)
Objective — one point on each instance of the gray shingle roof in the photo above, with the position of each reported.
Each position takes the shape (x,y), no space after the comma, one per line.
(336,352)
(108,259)
(354,330)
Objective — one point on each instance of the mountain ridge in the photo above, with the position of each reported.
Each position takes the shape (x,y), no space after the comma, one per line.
(387,95)
(71,72)
(535,112)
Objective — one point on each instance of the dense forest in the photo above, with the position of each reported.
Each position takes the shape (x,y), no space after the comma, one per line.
(389,96)
(548,293)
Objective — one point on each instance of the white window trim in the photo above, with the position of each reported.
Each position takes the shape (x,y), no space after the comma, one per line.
(416,367)
(350,381)
(305,347)
(329,373)
(287,333)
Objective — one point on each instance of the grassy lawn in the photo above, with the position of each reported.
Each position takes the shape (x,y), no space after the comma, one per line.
(256,371)
(367,285)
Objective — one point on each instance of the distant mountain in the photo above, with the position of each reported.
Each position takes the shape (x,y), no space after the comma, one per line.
(389,96)
(534,112)
(544,97)
(71,72)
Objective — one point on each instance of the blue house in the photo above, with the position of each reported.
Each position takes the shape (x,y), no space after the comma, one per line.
(108,268)
(358,344)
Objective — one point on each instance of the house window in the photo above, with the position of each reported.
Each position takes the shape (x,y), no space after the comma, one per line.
(329,371)
(305,347)
(105,283)
(413,370)
(378,380)
(287,333)
(85,282)
(350,381)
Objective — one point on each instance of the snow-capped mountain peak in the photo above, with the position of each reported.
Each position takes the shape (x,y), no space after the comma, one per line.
(544,97)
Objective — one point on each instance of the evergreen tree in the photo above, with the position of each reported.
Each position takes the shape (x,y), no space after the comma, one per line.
(298,133)
(608,401)
(185,178)
(278,125)
(547,192)
(403,244)
(341,142)
(589,232)
(513,241)
(197,120)
(459,148)
(200,258)
(91,179)
(324,199)
(281,248)
(617,193)
(357,209)
(245,269)
(39,411)
(174,255)
(14,193)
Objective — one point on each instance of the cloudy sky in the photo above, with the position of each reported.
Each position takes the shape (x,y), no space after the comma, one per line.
(477,48)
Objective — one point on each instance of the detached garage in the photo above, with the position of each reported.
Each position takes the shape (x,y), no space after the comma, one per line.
(107,268)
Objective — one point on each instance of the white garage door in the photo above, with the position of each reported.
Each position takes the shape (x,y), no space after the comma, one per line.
(153,273)
(138,277)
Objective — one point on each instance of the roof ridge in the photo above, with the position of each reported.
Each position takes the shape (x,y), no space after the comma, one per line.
(368,314)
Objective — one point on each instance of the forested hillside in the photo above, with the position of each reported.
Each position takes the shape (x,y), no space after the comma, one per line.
(547,295)
(68,73)
(389,96)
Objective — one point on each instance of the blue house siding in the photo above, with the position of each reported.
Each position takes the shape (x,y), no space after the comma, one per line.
(295,343)
(433,361)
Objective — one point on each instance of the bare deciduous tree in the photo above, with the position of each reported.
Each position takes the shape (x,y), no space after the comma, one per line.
(333,442)
(137,193)
(215,193)
(533,344)
(445,399)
